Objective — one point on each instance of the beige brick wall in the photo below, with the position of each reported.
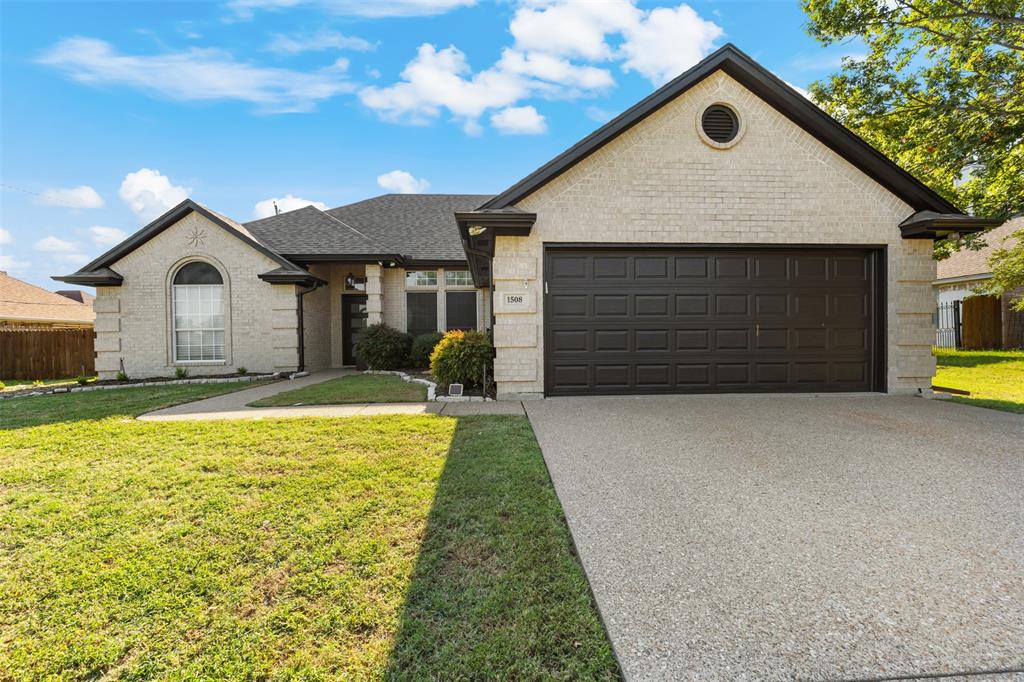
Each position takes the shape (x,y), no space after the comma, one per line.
(134,320)
(659,183)
(316,319)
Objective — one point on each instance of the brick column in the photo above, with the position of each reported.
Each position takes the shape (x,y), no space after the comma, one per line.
(374,299)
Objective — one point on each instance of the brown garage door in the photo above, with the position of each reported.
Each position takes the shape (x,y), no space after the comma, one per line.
(699,320)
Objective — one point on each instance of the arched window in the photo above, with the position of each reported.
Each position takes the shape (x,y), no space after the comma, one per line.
(198,300)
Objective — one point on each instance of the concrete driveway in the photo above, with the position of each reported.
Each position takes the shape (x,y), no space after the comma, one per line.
(795,537)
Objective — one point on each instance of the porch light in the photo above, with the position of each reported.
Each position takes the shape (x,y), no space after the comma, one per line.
(350,281)
(476,230)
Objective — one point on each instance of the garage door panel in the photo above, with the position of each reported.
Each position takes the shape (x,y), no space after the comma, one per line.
(692,320)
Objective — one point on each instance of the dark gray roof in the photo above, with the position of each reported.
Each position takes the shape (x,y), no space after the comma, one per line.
(412,226)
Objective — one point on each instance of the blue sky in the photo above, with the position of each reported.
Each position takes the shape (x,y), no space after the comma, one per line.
(112,112)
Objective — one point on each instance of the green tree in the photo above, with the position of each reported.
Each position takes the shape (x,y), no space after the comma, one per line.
(941,91)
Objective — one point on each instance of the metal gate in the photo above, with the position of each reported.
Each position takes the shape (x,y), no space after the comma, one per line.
(948,325)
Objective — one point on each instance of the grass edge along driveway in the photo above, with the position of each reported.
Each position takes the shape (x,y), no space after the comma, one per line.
(354,388)
(400,547)
(995,378)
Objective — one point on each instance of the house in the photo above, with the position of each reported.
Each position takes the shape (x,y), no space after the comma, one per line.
(25,305)
(959,275)
(723,234)
(77,295)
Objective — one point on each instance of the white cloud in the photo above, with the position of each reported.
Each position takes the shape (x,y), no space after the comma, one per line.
(600,115)
(571,29)
(265,208)
(321,40)
(150,194)
(402,182)
(9,264)
(196,75)
(5,237)
(82,196)
(438,79)
(244,9)
(666,41)
(519,121)
(53,244)
(553,41)
(73,258)
(106,236)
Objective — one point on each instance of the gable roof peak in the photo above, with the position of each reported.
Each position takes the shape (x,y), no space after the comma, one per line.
(774,92)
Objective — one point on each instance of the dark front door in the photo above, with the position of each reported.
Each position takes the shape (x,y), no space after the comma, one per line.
(353,322)
(706,320)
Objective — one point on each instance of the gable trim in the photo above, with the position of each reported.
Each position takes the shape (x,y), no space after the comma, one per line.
(776,94)
(92,270)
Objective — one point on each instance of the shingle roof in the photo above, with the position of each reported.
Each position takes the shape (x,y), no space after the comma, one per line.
(29,303)
(967,263)
(414,226)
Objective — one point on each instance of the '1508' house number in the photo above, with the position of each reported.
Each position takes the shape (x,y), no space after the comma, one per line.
(515,300)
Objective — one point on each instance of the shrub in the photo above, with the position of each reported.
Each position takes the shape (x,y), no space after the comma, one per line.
(181,372)
(422,346)
(460,357)
(38,382)
(242,370)
(122,376)
(383,347)
(82,379)
(2,385)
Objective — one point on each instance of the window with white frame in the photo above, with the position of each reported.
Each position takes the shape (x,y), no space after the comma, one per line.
(458,278)
(421,278)
(197,295)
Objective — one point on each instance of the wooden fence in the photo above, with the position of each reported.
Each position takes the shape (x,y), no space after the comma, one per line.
(35,353)
(983,323)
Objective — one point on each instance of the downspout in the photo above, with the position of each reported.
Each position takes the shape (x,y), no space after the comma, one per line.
(302,330)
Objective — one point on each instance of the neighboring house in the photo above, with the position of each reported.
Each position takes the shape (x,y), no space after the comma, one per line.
(959,275)
(723,234)
(26,305)
(78,295)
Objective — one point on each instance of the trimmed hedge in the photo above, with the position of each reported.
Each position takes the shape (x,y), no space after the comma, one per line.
(460,357)
(383,347)
(422,346)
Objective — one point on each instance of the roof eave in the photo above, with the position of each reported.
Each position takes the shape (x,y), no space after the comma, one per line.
(931,225)
(109,278)
(302,278)
(488,225)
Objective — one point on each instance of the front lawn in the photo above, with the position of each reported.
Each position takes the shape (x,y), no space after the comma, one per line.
(401,547)
(121,402)
(995,378)
(357,388)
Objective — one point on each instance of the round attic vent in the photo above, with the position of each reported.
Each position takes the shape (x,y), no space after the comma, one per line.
(719,123)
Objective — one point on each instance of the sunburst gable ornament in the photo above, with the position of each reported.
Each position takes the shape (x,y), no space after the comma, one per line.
(196,237)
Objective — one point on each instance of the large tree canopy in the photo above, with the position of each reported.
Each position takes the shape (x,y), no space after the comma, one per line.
(941,91)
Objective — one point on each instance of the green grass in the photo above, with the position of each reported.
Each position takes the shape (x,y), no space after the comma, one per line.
(18,384)
(396,547)
(357,388)
(994,378)
(119,402)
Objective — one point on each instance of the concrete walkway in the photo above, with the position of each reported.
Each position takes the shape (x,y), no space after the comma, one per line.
(792,537)
(235,405)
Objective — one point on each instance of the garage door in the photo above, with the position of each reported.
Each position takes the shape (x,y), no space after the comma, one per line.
(622,321)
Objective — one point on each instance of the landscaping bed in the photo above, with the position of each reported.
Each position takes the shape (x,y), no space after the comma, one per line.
(403,547)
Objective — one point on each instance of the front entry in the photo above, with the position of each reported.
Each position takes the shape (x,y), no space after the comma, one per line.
(353,323)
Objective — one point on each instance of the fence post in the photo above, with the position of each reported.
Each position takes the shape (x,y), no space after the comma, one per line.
(957,332)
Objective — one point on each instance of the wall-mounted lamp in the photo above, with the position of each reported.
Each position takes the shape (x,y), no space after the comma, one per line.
(350,281)
(476,230)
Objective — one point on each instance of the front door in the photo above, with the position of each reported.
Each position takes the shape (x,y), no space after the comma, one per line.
(353,322)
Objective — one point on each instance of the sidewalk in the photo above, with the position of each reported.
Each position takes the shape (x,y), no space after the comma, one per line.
(235,405)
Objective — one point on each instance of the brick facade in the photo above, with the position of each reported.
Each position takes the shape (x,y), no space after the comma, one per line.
(659,182)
